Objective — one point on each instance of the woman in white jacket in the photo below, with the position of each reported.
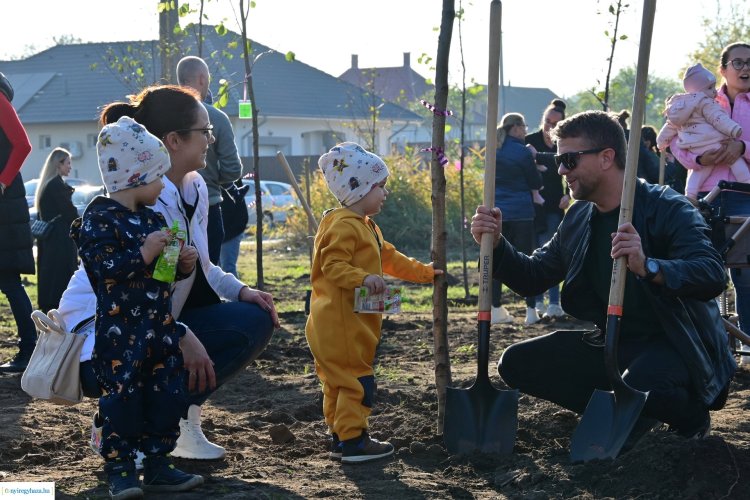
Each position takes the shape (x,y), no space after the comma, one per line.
(232,322)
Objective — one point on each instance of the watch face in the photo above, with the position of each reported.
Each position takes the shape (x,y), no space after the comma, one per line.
(652,266)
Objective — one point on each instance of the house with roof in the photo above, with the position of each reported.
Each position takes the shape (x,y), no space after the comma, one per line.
(403,85)
(302,111)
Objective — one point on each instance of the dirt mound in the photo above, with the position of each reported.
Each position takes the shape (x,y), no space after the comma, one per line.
(270,420)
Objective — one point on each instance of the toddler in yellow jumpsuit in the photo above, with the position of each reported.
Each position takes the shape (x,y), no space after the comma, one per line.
(350,252)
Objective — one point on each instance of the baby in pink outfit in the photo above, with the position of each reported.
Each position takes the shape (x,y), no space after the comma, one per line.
(700,125)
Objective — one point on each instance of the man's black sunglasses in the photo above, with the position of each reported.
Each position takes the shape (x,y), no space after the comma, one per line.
(570,160)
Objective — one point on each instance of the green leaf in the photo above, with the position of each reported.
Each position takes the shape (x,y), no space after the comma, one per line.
(447,128)
(290,56)
(221,30)
(223,93)
(252,5)
(623,37)
(611,9)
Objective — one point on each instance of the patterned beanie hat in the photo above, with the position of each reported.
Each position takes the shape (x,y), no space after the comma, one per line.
(129,155)
(351,172)
(697,78)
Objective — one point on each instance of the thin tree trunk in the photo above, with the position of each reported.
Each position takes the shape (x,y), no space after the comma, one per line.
(256,160)
(605,104)
(168,18)
(462,225)
(438,254)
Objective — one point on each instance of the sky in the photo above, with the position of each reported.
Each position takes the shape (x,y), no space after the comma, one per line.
(558,44)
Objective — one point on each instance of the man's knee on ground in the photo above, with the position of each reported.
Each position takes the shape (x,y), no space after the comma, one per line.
(510,367)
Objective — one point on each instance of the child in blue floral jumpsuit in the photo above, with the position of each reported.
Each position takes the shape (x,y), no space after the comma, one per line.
(137,357)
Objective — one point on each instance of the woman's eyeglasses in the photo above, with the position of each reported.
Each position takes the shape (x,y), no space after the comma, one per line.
(570,160)
(738,64)
(207,131)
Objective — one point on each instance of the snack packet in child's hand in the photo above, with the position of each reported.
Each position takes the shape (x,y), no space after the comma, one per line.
(166,266)
(388,302)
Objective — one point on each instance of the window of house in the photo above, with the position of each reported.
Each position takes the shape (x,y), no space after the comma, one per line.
(91,140)
(45,141)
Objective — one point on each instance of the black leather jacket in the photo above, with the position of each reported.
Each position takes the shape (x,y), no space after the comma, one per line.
(672,232)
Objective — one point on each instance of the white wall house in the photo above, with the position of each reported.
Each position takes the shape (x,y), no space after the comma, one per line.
(301,110)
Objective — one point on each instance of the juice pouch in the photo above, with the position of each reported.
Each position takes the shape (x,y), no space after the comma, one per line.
(166,265)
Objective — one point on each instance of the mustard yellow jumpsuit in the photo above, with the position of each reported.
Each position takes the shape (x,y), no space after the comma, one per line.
(349,247)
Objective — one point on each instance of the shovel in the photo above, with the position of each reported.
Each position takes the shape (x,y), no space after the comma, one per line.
(610,415)
(482,418)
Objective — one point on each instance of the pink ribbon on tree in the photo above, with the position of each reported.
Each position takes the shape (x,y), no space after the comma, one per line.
(435,110)
(439,154)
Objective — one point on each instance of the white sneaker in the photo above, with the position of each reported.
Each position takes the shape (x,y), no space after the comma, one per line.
(532,316)
(192,443)
(540,307)
(95,442)
(554,311)
(500,315)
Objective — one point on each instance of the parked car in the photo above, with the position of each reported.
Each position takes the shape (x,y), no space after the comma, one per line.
(31,185)
(83,195)
(276,198)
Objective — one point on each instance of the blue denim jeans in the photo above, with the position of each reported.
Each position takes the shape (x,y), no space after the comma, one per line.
(233,333)
(230,252)
(736,203)
(20,306)
(215,232)
(553,221)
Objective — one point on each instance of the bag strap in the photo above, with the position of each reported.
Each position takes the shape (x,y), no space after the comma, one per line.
(51,322)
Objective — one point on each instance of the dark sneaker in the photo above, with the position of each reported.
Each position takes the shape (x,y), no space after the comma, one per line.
(702,431)
(364,449)
(123,480)
(159,474)
(337,447)
(16,365)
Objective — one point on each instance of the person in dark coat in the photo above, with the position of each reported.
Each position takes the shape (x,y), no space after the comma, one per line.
(672,342)
(16,255)
(516,176)
(556,199)
(57,255)
(234,214)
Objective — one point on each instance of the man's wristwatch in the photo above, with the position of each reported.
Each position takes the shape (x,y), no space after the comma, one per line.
(652,269)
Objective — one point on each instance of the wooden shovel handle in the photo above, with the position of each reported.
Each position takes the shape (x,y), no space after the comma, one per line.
(293,181)
(617,286)
(485,246)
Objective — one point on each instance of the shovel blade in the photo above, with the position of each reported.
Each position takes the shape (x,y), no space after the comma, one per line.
(480,419)
(606,424)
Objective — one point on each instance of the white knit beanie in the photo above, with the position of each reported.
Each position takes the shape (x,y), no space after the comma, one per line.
(129,155)
(697,78)
(351,172)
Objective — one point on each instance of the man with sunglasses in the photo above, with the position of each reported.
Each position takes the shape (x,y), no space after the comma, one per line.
(672,344)
(223,164)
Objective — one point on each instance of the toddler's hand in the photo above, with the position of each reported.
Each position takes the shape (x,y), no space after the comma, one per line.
(374,283)
(437,271)
(153,245)
(188,258)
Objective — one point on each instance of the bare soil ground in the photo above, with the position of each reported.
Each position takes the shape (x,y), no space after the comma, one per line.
(44,442)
